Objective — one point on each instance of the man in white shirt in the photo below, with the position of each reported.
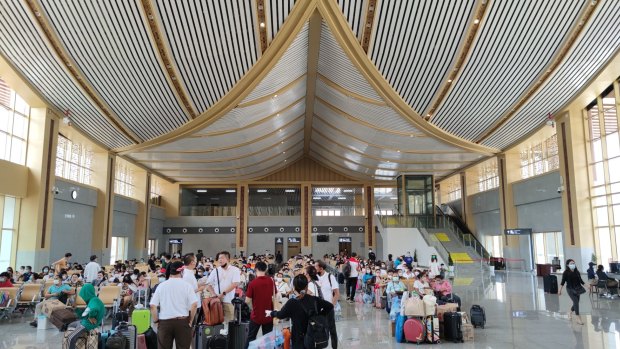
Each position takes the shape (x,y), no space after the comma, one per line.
(190,277)
(331,292)
(91,269)
(223,281)
(177,302)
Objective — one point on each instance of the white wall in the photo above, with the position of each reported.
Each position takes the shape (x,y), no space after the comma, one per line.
(399,241)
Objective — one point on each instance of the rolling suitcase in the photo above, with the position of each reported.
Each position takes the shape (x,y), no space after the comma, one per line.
(61,318)
(129,332)
(400,328)
(237,329)
(151,339)
(217,341)
(477,316)
(550,284)
(414,331)
(203,333)
(452,327)
(378,303)
(141,318)
(141,342)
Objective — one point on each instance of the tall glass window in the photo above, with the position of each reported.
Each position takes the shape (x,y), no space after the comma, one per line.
(208,201)
(488,177)
(451,189)
(73,161)
(8,228)
(604,164)
(269,201)
(155,191)
(14,123)
(124,180)
(540,158)
(386,201)
(337,201)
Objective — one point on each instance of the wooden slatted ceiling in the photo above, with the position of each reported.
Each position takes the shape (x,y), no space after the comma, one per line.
(354,11)
(213,44)
(305,169)
(517,41)
(119,62)
(597,44)
(22,45)
(414,44)
(278,11)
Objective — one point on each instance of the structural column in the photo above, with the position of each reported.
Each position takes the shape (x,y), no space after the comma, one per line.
(33,240)
(104,165)
(306,218)
(508,168)
(241,230)
(369,224)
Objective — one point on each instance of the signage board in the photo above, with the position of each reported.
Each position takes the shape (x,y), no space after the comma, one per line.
(293,240)
(344,239)
(518,231)
(176,241)
(279,240)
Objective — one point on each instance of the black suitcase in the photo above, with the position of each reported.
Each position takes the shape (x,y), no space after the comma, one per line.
(550,284)
(130,332)
(452,327)
(217,341)
(118,317)
(237,329)
(477,315)
(204,332)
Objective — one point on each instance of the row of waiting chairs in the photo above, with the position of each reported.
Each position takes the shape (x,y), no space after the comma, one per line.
(28,295)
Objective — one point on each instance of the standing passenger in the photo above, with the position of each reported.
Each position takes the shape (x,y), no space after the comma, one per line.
(222,283)
(573,281)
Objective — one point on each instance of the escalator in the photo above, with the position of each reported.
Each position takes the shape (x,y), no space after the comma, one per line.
(462,230)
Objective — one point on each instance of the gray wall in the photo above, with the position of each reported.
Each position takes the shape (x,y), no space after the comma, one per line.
(201,221)
(319,249)
(72,222)
(485,210)
(156,226)
(124,223)
(210,244)
(539,205)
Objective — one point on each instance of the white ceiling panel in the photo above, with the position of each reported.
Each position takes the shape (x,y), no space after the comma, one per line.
(335,65)
(597,44)
(415,43)
(119,62)
(213,44)
(25,48)
(509,54)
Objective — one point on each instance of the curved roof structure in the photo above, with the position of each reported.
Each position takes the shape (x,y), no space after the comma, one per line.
(222,91)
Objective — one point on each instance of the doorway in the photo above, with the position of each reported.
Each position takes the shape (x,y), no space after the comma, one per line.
(175,246)
(279,247)
(344,245)
(294,247)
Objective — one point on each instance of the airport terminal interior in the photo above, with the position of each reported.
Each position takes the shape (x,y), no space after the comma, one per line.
(480,133)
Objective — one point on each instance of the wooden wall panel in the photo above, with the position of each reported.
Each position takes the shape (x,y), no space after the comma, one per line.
(306,170)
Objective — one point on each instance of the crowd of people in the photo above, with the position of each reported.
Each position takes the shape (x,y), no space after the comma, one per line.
(266,282)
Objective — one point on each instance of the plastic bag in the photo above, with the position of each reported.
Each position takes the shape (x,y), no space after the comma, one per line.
(273,339)
(395,309)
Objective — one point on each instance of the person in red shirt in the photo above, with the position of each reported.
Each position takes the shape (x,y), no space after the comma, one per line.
(5,280)
(259,296)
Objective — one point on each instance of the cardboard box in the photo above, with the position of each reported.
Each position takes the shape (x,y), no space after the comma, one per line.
(393,328)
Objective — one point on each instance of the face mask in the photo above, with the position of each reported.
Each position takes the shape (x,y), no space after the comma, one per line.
(162,279)
(3,279)
(56,282)
(45,271)
(395,278)
(571,266)
(133,277)
(51,273)
(279,279)
(416,273)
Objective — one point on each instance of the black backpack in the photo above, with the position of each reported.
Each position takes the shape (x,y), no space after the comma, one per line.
(317,331)
(116,341)
(346,270)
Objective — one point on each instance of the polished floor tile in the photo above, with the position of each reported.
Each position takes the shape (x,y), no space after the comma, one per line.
(519,315)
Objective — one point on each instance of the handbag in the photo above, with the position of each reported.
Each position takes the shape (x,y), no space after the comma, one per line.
(580,289)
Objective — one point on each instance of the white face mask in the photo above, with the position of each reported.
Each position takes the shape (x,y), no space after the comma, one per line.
(395,278)
(279,279)
(571,266)
(56,282)
(162,279)
(2,279)
(133,277)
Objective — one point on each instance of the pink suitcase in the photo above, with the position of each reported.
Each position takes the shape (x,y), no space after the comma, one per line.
(414,331)
(141,342)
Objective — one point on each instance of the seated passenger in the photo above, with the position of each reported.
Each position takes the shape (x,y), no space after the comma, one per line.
(100,280)
(421,284)
(5,280)
(91,317)
(75,281)
(58,291)
(127,290)
(602,276)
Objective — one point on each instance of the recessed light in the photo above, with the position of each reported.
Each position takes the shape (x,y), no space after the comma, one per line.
(347,191)
(342,198)
(231,190)
(283,152)
(262,24)
(275,96)
(449,80)
(398,151)
(261,191)
(476,21)
(201,191)
(316,198)
(289,191)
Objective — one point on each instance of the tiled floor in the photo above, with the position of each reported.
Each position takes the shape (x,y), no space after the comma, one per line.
(519,315)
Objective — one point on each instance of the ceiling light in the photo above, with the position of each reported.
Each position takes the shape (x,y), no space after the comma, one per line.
(262,24)
(476,21)
(278,114)
(342,198)
(283,152)
(347,191)
(282,142)
(449,80)
(284,160)
(280,130)
(231,190)
(398,151)
(411,136)
(201,191)
(275,96)
(316,198)
(289,191)
(261,191)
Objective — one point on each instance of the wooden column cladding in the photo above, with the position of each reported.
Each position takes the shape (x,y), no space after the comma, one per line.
(306,213)
(370,231)
(567,184)
(48,175)
(242,221)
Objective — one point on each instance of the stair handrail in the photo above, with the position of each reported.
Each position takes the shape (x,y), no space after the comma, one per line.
(462,231)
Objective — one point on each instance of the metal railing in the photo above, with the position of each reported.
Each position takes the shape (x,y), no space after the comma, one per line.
(456,226)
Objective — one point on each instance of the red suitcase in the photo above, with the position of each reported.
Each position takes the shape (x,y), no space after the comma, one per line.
(414,331)
(141,342)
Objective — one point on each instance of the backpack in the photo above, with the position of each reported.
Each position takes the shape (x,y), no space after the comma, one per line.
(346,270)
(116,341)
(317,331)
